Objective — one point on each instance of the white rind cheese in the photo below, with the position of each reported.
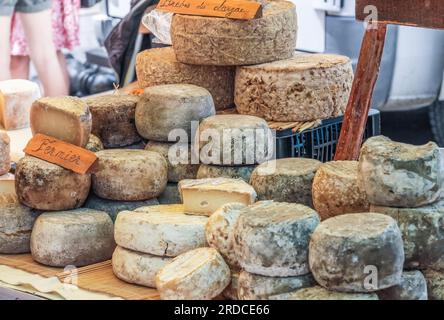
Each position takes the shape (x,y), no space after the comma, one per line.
(5,153)
(413,286)
(319,293)
(238,172)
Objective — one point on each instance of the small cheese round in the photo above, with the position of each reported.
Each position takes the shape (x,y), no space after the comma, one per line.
(358,252)
(170,109)
(435,284)
(319,293)
(171,195)
(199,274)
(271,238)
(5,153)
(46,186)
(238,172)
(413,286)
(129,175)
(231,291)
(286,180)
(136,267)
(77,237)
(94,144)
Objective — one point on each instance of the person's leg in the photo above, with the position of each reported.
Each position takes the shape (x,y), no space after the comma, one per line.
(5,30)
(20,67)
(62,62)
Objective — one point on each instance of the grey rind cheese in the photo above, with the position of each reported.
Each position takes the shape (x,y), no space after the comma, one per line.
(395,174)
(46,186)
(136,267)
(256,287)
(319,293)
(435,284)
(271,238)
(422,232)
(286,180)
(236,42)
(199,274)
(231,291)
(77,237)
(413,286)
(178,156)
(129,175)
(238,172)
(94,144)
(170,195)
(358,252)
(169,107)
(305,87)
(336,191)
(113,119)
(159,66)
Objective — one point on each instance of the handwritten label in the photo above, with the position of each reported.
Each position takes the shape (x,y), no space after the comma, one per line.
(61,153)
(233,9)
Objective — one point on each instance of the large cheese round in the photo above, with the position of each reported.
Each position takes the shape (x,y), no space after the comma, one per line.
(168,111)
(413,286)
(336,191)
(319,293)
(238,172)
(170,195)
(358,252)
(129,175)
(159,66)
(5,153)
(199,274)
(236,42)
(271,238)
(77,237)
(46,186)
(286,180)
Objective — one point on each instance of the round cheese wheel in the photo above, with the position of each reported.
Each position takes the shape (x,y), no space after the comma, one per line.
(413,286)
(319,293)
(238,172)
(5,153)
(94,144)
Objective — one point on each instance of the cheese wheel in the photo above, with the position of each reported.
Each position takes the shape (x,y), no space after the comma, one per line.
(285,180)
(236,42)
(46,186)
(413,286)
(238,172)
(435,284)
(169,107)
(64,118)
(138,268)
(271,238)
(16,98)
(94,144)
(319,293)
(159,66)
(199,274)
(395,174)
(305,87)
(163,230)
(129,175)
(359,252)
(231,291)
(113,119)
(171,195)
(336,191)
(77,237)
(5,153)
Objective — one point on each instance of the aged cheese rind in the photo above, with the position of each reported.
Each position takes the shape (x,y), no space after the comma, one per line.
(435,284)
(64,118)
(94,144)
(238,172)
(129,175)
(46,186)
(319,293)
(395,174)
(159,66)
(231,291)
(163,230)
(199,274)
(170,195)
(113,119)
(336,191)
(271,238)
(77,237)
(169,107)
(236,42)
(413,286)
(285,180)
(346,250)
(5,153)
(305,87)
(136,267)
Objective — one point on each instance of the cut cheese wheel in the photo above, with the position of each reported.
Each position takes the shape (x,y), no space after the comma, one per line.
(159,66)
(135,267)
(64,118)
(413,286)
(167,111)
(359,252)
(319,293)
(336,191)
(94,144)
(306,87)
(285,180)
(77,237)
(171,195)
(46,186)
(236,42)
(7,189)
(5,153)
(205,196)
(178,157)
(163,230)
(435,284)
(238,172)
(395,174)
(113,119)
(271,238)
(16,98)
(129,175)
(231,291)
(255,287)
(199,274)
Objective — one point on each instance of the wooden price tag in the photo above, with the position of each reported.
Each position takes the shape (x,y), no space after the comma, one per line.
(61,153)
(233,9)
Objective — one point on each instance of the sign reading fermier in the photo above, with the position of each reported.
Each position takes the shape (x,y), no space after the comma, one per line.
(233,9)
